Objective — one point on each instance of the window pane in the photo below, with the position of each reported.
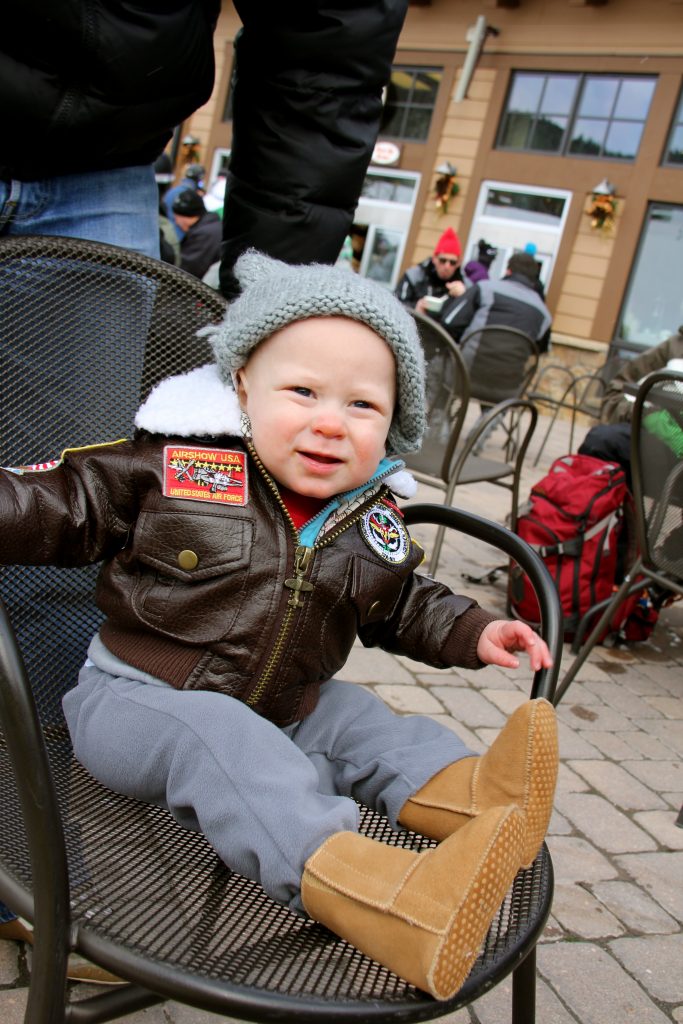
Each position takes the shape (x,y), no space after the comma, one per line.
(653,308)
(634,98)
(548,134)
(392,121)
(410,99)
(515,131)
(588,137)
(425,89)
(536,207)
(675,152)
(559,93)
(597,99)
(623,139)
(388,188)
(526,93)
(400,86)
(417,123)
(674,149)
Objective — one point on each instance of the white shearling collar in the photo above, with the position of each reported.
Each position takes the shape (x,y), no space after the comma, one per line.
(200,404)
(194,404)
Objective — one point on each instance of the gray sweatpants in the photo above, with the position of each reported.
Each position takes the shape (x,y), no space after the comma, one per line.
(266,798)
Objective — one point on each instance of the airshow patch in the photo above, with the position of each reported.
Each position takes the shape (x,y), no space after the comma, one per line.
(205,474)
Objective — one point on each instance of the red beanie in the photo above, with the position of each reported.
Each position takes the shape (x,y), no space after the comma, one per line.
(448,243)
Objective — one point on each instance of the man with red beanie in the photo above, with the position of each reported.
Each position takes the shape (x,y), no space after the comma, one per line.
(438,276)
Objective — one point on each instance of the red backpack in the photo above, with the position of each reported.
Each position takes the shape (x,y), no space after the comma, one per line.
(574,519)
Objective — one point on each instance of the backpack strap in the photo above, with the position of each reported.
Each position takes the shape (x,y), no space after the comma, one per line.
(572,546)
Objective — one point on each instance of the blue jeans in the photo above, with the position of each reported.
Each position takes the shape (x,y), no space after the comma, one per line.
(119,206)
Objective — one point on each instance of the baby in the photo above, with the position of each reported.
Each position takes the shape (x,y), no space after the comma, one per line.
(249,533)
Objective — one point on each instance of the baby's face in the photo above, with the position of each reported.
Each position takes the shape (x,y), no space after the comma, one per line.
(320,395)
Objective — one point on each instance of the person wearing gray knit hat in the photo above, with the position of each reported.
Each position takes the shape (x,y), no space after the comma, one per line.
(275,294)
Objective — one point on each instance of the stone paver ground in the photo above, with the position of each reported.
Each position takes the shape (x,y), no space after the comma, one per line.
(613,949)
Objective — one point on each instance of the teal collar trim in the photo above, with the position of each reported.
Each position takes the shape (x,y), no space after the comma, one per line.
(310,531)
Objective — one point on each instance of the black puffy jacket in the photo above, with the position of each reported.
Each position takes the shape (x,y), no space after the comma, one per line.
(89,85)
(307,105)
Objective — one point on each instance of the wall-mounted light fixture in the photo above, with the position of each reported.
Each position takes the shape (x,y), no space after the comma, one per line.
(603,205)
(445,186)
(605,188)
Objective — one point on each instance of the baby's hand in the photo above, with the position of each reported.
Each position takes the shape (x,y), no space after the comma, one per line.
(503,636)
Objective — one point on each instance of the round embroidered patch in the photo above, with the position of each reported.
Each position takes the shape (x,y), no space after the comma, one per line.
(384,533)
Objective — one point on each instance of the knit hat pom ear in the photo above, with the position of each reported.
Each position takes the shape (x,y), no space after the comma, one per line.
(253,267)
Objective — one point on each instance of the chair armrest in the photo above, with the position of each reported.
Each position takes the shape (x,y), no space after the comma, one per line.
(49,909)
(545,679)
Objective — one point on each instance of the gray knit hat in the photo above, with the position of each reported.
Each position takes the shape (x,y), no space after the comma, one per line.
(275,294)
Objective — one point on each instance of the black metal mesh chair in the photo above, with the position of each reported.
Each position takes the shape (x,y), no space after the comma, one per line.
(657,475)
(119,881)
(501,362)
(579,393)
(448,392)
(446,458)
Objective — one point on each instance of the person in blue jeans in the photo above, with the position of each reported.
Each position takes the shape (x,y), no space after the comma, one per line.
(118,206)
(81,159)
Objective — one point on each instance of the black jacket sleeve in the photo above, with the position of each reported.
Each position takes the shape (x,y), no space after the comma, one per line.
(306,90)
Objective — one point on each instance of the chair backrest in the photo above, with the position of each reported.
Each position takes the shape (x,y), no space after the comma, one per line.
(501,362)
(447,400)
(657,471)
(73,373)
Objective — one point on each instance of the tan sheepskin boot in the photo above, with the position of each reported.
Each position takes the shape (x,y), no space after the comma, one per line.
(422,915)
(519,768)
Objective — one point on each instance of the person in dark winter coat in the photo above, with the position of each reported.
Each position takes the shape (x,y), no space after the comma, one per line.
(193,181)
(307,108)
(438,276)
(90,97)
(611,438)
(511,302)
(200,245)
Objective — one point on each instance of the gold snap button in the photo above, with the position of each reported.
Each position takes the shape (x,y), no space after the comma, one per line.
(374,607)
(188,559)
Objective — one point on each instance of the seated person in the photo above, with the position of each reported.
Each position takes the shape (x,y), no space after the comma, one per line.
(611,439)
(478,269)
(249,533)
(438,276)
(200,245)
(511,302)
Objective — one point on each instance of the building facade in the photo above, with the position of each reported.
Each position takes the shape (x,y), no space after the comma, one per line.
(555,124)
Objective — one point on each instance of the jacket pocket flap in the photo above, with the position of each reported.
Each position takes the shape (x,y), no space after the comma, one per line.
(193,546)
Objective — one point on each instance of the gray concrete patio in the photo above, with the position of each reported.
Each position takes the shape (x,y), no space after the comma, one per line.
(613,949)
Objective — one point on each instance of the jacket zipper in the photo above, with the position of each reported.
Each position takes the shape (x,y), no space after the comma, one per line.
(303,559)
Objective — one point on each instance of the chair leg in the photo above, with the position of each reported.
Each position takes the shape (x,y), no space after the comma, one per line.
(590,643)
(524,990)
(436,550)
(545,437)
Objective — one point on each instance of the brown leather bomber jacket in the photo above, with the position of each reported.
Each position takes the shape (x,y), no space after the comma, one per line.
(210,595)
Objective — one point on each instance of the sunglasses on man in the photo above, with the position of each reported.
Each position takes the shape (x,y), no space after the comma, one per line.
(453,260)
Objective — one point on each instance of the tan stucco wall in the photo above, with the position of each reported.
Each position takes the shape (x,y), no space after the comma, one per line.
(552,26)
(458,143)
